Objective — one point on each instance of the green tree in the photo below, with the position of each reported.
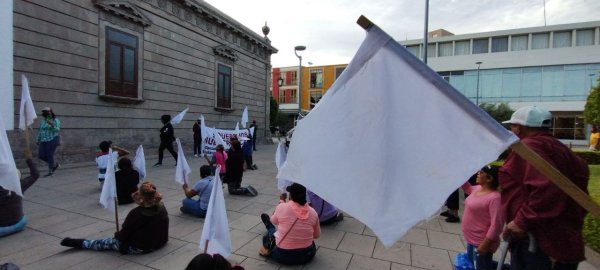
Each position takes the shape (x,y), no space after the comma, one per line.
(500,112)
(591,112)
(274,117)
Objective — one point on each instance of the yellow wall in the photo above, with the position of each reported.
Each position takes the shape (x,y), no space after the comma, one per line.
(328,79)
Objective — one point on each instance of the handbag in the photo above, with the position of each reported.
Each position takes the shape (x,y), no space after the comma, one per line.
(269,242)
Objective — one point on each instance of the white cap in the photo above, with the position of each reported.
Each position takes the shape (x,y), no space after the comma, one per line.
(531,116)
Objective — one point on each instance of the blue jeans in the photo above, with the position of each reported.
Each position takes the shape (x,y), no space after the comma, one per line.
(192,207)
(481,262)
(522,259)
(17,227)
(108,244)
(46,151)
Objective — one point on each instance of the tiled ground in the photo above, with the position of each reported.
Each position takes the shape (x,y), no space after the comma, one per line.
(67,205)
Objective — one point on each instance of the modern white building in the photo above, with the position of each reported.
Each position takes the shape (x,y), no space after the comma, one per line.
(551,66)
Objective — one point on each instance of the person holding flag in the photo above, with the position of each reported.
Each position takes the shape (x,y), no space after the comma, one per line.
(146,227)
(48,139)
(167,136)
(202,188)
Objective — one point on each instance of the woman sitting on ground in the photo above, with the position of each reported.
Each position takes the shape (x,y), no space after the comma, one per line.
(12,218)
(127,180)
(298,226)
(211,262)
(328,214)
(146,227)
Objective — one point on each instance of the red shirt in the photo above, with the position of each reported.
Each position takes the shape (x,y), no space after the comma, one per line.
(538,206)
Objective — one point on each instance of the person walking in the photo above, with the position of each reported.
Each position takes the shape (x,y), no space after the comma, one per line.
(48,139)
(167,137)
(544,223)
(595,139)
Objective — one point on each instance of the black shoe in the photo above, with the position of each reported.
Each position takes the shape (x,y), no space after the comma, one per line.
(49,174)
(158,164)
(70,242)
(252,190)
(445,214)
(56,166)
(453,219)
(339,216)
(254,167)
(265,219)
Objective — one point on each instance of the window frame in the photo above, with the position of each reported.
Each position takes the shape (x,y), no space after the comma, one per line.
(315,71)
(218,104)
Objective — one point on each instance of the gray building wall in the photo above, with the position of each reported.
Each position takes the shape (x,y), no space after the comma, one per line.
(58,45)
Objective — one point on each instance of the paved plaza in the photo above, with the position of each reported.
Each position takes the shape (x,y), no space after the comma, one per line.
(67,205)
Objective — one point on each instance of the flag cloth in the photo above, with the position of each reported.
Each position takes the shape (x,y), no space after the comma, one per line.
(27,111)
(216,227)
(245,117)
(9,175)
(183,168)
(280,156)
(109,187)
(410,139)
(237,128)
(139,162)
(179,117)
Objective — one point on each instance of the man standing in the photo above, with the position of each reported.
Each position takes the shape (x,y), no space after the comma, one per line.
(253,135)
(197,138)
(544,223)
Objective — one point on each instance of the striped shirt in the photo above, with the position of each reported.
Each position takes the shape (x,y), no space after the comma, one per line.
(48,132)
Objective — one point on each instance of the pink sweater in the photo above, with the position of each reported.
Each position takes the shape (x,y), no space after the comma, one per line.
(482,217)
(305,230)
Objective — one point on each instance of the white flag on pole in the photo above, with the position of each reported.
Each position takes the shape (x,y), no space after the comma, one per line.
(280,156)
(139,162)
(216,227)
(430,140)
(220,140)
(27,111)
(9,175)
(183,168)
(179,117)
(109,187)
(245,117)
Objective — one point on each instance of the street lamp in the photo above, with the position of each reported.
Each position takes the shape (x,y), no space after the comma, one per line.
(280,82)
(477,94)
(296,50)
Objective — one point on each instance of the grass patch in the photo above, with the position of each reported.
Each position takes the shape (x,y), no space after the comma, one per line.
(591,226)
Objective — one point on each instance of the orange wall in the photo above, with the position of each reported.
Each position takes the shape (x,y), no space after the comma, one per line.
(328,79)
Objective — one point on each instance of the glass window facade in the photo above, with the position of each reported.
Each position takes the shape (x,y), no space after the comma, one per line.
(585,37)
(445,49)
(480,46)
(561,39)
(462,47)
(499,44)
(518,43)
(540,41)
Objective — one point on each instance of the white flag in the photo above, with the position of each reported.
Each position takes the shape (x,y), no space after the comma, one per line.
(237,127)
(183,169)
(216,227)
(409,139)
(245,117)
(27,111)
(109,187)
(280,156)
(9,175)
(179,117)
(220,140)
(139,162)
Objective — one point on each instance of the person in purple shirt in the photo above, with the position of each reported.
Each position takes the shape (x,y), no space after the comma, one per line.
(328,214)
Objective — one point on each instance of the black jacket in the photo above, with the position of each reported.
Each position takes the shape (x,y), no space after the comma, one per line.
(145,228)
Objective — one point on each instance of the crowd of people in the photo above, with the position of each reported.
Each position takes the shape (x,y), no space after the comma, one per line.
(514,201)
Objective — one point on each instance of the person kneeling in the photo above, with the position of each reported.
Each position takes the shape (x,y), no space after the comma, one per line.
(203,189)
(328,214)
(292,243)
(146,227)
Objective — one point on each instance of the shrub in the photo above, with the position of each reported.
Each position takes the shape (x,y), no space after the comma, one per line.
(592,157)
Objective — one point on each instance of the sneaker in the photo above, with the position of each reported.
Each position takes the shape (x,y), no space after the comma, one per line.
(339,216)
(158,164)
(265,218)
(453,219)
(56,166)
(252,190)
(254,167)
(49,174)
(445,214)
(195,155)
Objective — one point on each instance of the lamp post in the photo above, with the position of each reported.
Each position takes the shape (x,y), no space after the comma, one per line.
(296,50)
(477,94)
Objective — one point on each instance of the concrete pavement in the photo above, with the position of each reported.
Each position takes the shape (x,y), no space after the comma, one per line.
(67,205)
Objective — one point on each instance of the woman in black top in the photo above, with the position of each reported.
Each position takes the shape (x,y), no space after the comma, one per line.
(235,170)
(127,181)
(167,136)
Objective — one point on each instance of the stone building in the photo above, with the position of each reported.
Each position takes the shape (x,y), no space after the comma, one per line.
(110,69)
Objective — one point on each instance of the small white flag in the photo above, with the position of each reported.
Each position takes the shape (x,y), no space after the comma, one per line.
(109,188)
(139,162)
(216,227)
(27,111)
(237,127)
(179,117)
(183,169)
(280,156)
(9,175)
(245,117)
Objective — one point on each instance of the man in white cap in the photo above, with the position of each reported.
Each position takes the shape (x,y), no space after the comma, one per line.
(544,223)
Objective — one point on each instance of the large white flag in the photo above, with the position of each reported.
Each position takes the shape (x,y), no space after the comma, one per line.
(139,162)
(216,227)
(410,139)
(245,117)
(280,156)
(109,187)
(179,117)
(183,168)
(27,111)
(9,175)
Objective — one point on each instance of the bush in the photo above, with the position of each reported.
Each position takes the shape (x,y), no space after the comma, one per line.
(591,232)
(591,157)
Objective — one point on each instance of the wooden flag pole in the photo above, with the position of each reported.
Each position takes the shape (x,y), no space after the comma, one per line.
(27,146)
(206,246)
(557,178)
(116,214)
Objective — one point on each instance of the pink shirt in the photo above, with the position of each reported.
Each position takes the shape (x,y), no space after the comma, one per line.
(482,217)
(304,231)
(220,158)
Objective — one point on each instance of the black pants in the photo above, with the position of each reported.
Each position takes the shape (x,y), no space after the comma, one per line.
(249,162)
(234,186)
(197,145)
(169,147)
(452,201)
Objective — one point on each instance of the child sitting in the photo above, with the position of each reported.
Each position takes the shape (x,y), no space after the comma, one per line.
(102,157)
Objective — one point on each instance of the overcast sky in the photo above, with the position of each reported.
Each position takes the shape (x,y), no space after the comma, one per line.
(329,31)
